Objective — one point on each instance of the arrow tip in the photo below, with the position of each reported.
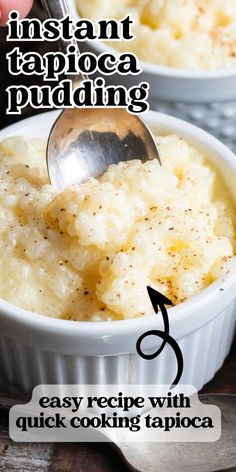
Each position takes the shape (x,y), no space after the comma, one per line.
(157,298)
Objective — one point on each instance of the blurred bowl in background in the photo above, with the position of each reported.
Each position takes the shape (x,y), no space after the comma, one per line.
(204,98)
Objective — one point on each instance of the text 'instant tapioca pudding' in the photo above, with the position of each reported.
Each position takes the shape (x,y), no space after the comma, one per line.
(190,34)
(89,252)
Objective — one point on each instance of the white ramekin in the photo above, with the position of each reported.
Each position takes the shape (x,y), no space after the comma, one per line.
(205,98)
(35,349)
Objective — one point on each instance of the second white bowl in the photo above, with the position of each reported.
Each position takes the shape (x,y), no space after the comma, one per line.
(204,98)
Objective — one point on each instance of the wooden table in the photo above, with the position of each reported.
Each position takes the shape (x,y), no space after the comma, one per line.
(85,457)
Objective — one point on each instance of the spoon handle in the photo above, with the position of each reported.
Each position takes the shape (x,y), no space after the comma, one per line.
(228,469)
(58,9)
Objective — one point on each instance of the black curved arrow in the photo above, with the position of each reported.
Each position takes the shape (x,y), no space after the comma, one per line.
(158,300)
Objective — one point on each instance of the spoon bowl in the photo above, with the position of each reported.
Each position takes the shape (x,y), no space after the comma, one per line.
(84,142)
(217,456)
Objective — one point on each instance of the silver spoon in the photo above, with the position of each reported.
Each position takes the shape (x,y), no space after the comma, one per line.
(218,456)
(83,142)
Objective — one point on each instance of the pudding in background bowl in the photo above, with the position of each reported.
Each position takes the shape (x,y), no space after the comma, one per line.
(179,85)
(193,34)
(38,349)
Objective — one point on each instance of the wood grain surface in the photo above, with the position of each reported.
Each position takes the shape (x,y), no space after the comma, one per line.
(82,457)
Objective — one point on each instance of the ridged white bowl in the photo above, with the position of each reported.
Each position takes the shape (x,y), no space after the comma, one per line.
(36,349)
(204,98)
